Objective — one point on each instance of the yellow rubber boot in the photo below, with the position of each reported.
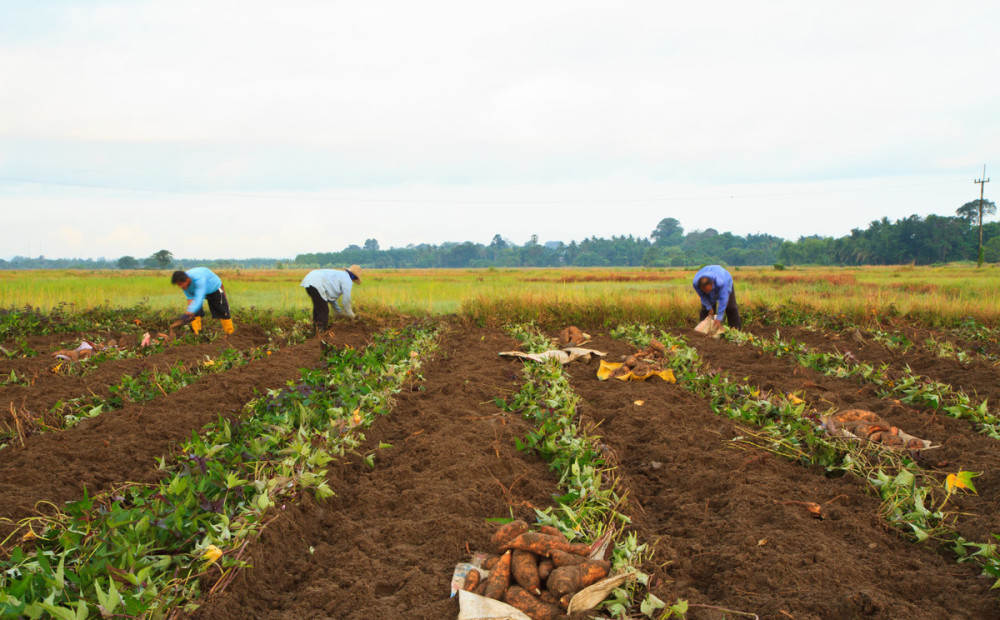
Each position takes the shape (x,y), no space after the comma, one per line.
(227,326)
(196,324)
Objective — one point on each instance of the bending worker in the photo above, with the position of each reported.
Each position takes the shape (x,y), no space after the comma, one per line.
(200,285)
(327,286)
(718,295)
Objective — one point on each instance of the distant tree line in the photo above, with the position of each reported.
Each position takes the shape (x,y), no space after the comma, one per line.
(923,241)
(914,239)
(162,259)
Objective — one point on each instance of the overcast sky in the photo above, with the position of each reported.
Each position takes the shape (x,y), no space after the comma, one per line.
(239,129)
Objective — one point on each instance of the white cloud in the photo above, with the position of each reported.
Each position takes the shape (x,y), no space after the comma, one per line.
(447,100)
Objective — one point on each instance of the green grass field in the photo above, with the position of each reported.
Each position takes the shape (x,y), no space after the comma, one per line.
(943,294)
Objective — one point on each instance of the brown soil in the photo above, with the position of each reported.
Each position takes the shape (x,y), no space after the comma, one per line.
(917,333)
(385,546)
(48,388)
(715,512)
(50,342)
(978,379)
(960,446)
(123,445)
(63,341)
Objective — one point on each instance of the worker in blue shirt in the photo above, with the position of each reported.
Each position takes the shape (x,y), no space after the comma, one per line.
(200,284)
(715,287)
(327,286)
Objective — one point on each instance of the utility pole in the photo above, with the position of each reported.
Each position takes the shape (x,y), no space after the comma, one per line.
(982,184)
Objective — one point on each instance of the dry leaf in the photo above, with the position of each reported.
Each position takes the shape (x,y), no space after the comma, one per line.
(212,553)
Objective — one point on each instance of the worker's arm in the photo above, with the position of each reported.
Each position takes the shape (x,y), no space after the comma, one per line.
(343,305)
(197,298)
(725,290)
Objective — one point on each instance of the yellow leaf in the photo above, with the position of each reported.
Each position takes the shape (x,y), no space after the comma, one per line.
(357,415)
(212,554)
(29,535)
(961,480)
(640,403)
(795,400)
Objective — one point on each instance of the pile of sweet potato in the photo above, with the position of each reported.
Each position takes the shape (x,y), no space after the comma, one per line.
(572,337)
(537,572)
(644,361)
(867,425)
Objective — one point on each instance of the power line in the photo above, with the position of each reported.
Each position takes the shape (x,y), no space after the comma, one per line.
(982,183)
(461,201)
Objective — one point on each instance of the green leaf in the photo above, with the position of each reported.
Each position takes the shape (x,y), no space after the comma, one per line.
(110,601)
(919,533)
(262,501)
(178,484)
(66,613)
(651,604)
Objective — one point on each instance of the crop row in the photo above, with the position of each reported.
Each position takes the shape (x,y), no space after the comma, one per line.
(984,340)
(142,550)
(904,385)
(19,324)
(913,500)
(144,386)
(592,503)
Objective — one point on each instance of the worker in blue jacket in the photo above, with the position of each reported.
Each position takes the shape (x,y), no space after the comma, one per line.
(715,287)
(200,284)
(331,286)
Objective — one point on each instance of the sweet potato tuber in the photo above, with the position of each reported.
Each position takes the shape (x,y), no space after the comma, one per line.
(472,580)
(530,604)
(524,568)
(543,545)
(490,561)
(548,597)
(545,568)
(480,589)
(499,579)
(851,415)
(565,599)
(549,530)
(561,558)
(508,532)
(568,579)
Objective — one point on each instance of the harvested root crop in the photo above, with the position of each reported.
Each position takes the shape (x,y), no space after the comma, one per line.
(524,568)
(649,360)
(538,572)
(508,532)
(572,337)
(867,425)
(499,579)
(543,545)
(569,579)
(534,607)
